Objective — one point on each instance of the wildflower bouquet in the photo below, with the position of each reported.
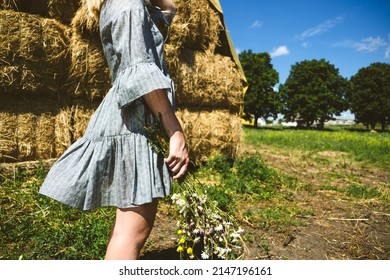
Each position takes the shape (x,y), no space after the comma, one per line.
(202,224)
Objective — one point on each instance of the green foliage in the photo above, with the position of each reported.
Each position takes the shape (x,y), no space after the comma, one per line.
(361,191)
(35,227)
(314,91)
(373,148)
(247,175)
(369,95)
(260,100)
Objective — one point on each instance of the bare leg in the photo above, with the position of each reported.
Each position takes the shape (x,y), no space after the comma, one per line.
(131,230)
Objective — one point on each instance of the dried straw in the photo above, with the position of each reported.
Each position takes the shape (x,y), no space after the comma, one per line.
(81,117)
(82,22)
(8,131)
(196,26)
(205,80)
(63,131)
(45,135)
(210,133)
(61,10)
(34,54)
(26,137)
(89,76)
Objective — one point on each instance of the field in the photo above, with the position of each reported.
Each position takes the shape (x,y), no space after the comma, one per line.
(299,194)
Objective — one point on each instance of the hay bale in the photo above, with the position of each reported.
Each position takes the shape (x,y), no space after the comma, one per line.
(61,10)
(89,76)
(45,135)
(8,131)
(205,80)
(63,131)
(81,114)
(196,26)
(82,22)
(27,128)
(26,137)
(34,54)
(210,133)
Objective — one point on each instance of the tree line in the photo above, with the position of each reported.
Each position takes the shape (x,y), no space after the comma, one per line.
(315,92)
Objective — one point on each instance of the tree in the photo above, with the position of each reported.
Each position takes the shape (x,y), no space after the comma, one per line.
(314,91)
(369,95)
(260,100)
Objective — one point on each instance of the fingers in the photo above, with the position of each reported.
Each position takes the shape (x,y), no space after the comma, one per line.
(178,165)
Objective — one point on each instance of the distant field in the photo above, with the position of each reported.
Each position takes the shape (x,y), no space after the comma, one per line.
(374,148)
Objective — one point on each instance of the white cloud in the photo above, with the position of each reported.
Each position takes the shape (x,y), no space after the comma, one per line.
(279,51)
(387,53)
(257,24)
(369,44)
(321,28)
(305,45)
(238,51)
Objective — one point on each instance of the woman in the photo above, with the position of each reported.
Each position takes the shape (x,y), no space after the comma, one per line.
(113,164)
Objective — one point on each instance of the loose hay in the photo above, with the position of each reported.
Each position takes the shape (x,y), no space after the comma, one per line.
(63,131)
(205,80)
(37,52)
(196,25)
(26,137)
(89,76)
(45,135)
(8,132)
(34,54)
(81,117)
(61,10)
(210,133)
(82,22)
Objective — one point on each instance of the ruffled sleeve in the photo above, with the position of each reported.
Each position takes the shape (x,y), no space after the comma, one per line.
(138,52)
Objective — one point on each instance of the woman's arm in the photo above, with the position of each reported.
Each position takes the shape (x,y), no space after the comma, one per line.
(178,158)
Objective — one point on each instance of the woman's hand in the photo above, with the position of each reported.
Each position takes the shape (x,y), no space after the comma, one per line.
(178,159)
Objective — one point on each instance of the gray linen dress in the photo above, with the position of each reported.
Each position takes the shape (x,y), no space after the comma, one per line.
(113,164)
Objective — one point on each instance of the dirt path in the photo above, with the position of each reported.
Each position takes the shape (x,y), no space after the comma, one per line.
(340,226)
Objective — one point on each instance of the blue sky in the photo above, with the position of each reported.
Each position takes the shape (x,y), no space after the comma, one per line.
(349,34)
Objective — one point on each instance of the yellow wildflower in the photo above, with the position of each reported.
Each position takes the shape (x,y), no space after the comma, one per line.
(189,251)
(179,232)
(182,240)
(179,249)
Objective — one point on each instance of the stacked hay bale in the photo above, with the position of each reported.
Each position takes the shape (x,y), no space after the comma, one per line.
(33,64)
(54,75)
(209,86)
(61,10)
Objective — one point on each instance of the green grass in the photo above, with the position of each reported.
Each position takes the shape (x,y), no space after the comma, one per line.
(35,227)
(373,148)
